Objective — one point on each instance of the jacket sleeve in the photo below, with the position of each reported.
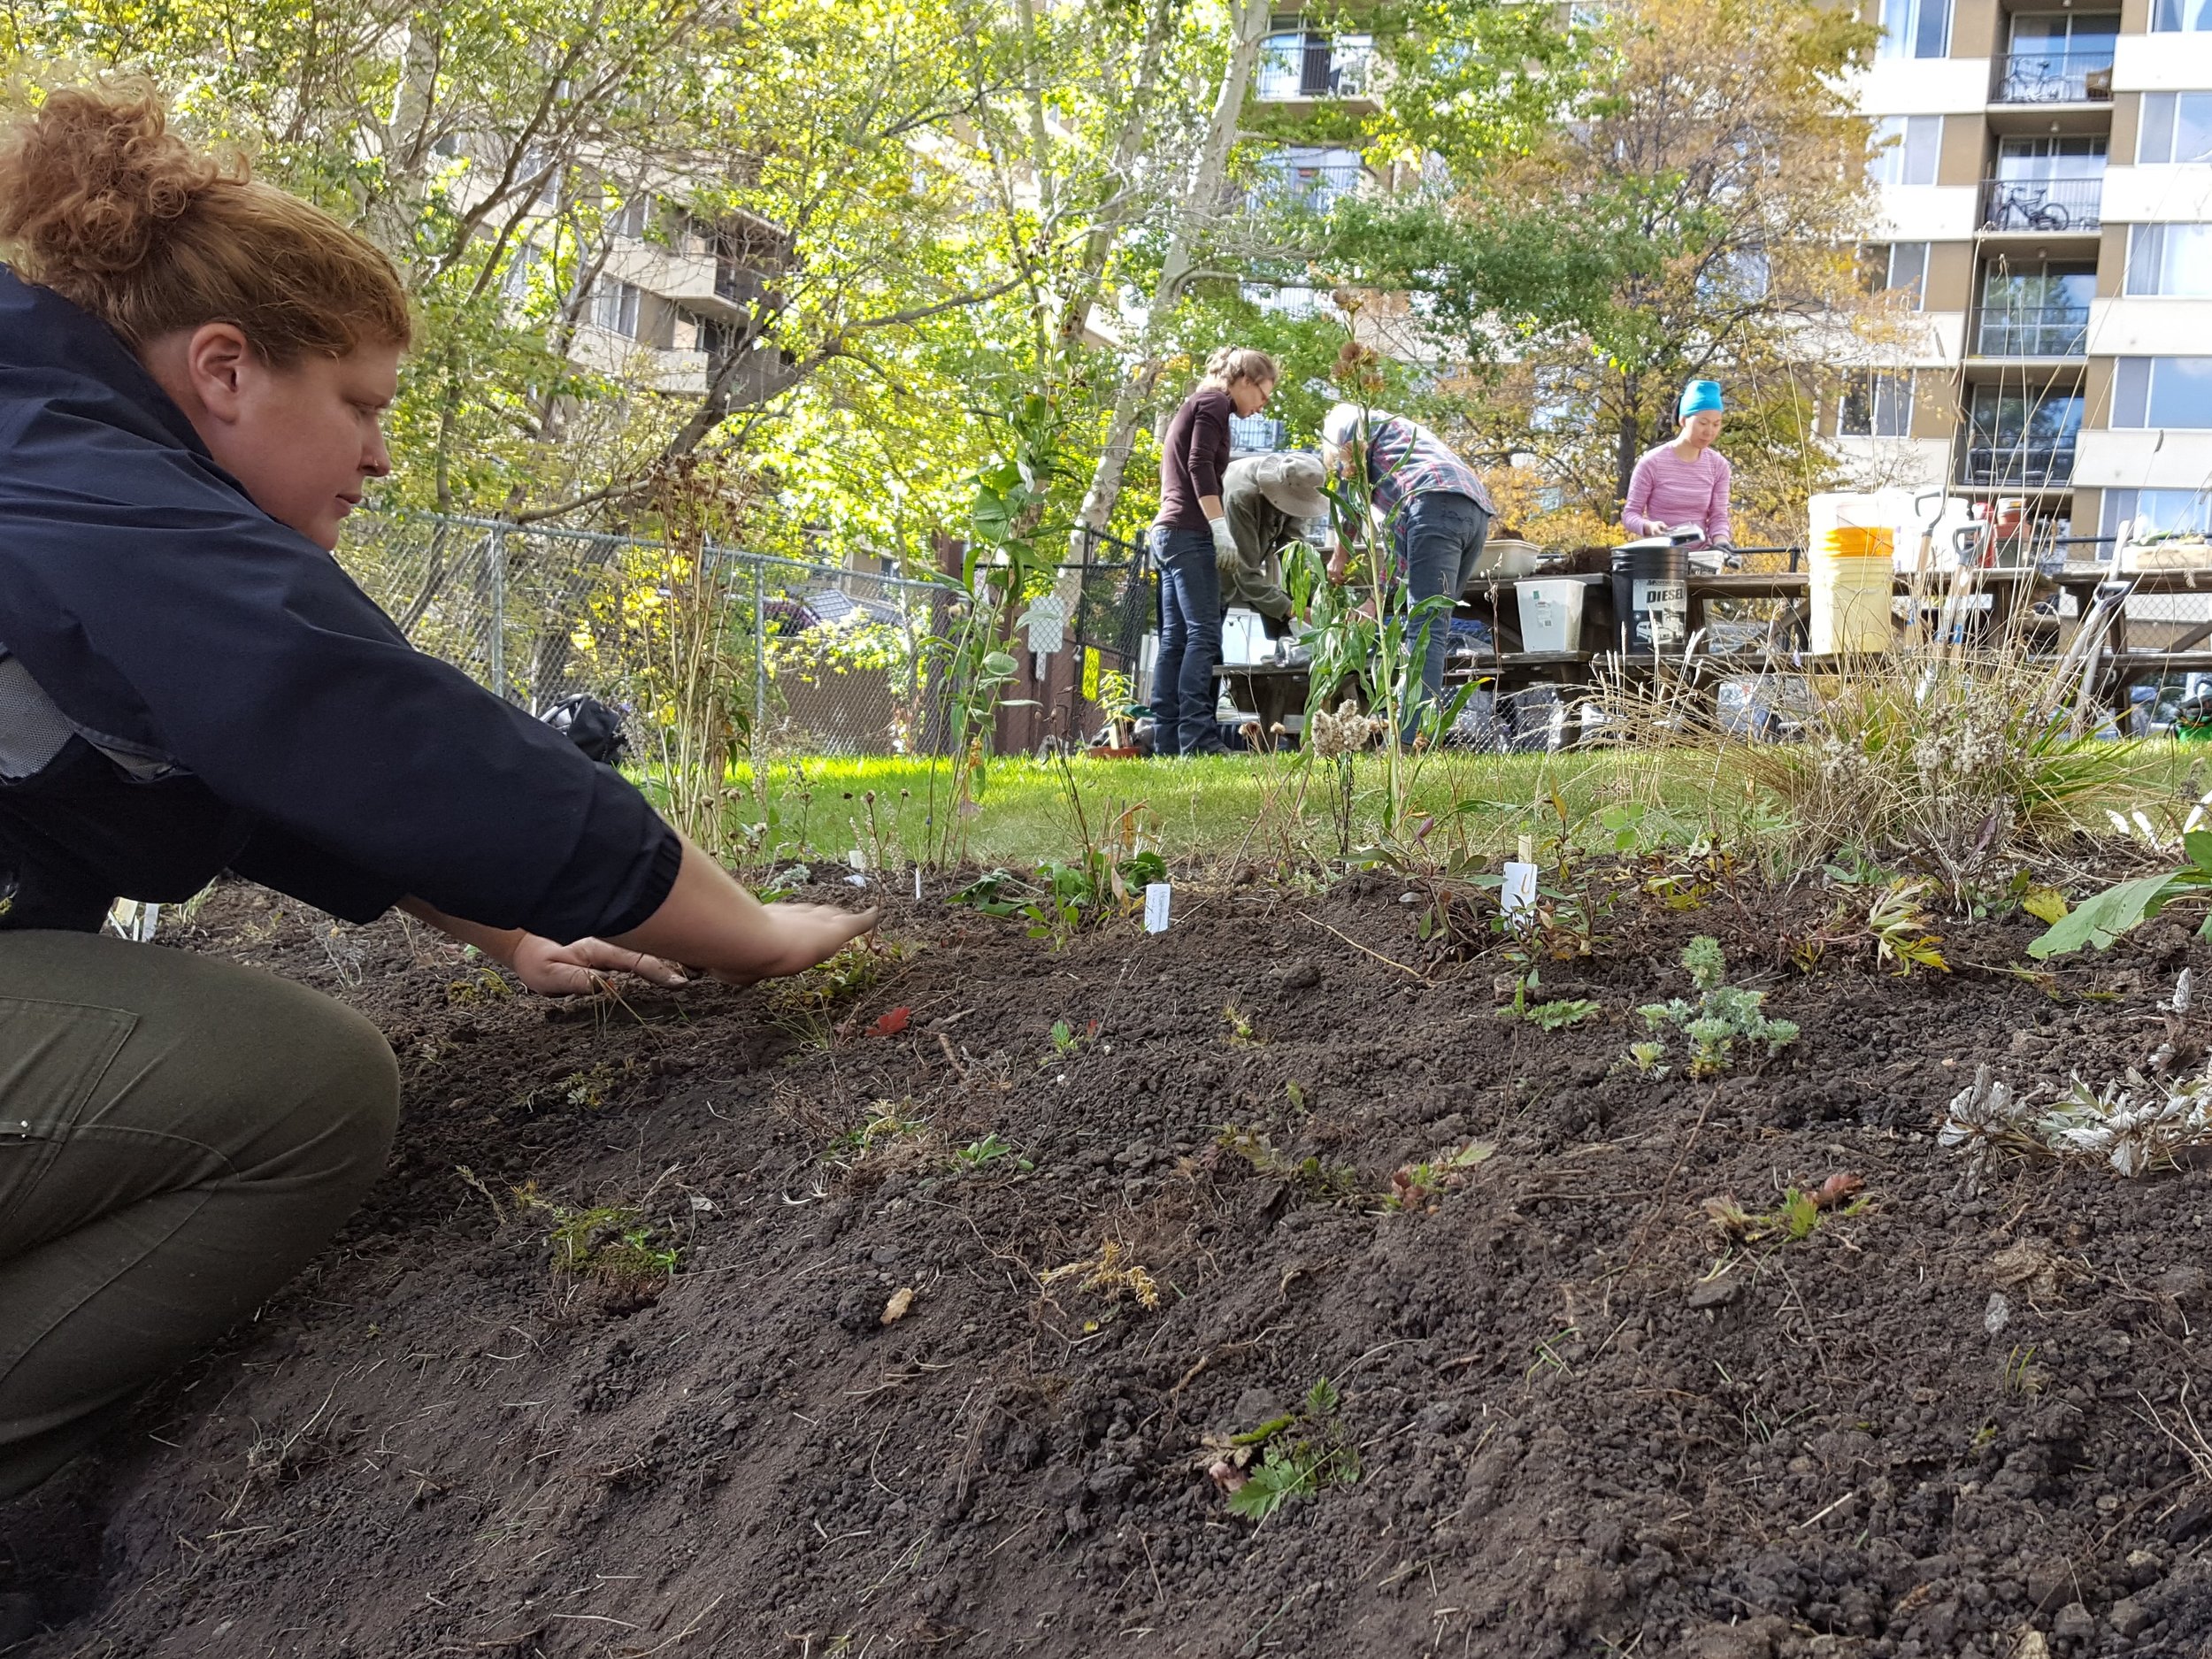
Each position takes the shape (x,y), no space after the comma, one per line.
(142,589)
(277,858)
(1206,444)
(1257,526)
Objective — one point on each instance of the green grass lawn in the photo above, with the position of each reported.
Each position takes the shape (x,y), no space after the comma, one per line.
(1264,808)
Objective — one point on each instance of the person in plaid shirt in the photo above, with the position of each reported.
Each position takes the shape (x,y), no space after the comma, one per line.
(1437,510)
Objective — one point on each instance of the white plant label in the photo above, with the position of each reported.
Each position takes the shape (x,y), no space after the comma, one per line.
(1517,892)
(918,881)
(1155,907)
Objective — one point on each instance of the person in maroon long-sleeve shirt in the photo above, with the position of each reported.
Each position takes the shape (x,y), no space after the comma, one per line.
(1193,527)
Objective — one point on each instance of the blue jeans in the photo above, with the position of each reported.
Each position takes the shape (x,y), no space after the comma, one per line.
(1183,696)
(1443,535)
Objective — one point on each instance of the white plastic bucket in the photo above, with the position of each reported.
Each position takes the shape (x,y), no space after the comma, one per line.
(1851,605)
(1551,614)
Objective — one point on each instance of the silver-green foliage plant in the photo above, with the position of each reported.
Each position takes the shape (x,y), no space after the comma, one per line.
(1720,1016)
(2136,1124)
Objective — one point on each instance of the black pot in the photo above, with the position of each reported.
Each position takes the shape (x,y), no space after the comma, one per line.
(1651,597)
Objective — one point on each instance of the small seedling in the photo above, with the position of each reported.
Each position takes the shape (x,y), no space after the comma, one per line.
(1297,1456)
(484,985)
(1419,1185)
(1722,1015)
(1796,1219)
(978,1153)
(1546,1356)
(1069,1042)
(887,1120)
(611,1243)
(1321,1183)
(2022,1375)
(1650,1058)
(1241,1032)
(1900,927)
(1554,1016)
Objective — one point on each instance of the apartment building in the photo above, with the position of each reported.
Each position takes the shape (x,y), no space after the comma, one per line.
(676,295)
(2046,218)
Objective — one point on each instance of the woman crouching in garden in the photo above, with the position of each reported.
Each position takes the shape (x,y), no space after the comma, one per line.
(193,372)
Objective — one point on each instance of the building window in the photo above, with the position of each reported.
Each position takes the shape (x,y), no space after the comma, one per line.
(2158,511)
(1877,403)
(1906,146)
(2173,261)
(2162,392)
(2178,16)
(2021,439)
(1308,176)
(2034,313)
(1256,434)
(1297,62)
(1916,28)
(629,219)
(614,307)
(1737,275)
(1896,267)
(2176,126)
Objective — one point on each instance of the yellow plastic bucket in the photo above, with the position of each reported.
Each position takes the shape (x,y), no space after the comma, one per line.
(1859,541)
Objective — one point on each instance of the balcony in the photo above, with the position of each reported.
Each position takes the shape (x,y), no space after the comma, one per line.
(1297,68)
(2021,466)
(2049,207)
(1291,185)
(2033,331)
(2080,76)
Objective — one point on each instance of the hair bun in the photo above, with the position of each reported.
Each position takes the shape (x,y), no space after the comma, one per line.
(90,184)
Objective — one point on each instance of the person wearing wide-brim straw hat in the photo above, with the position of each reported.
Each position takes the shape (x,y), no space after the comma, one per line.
(1684,481)
(1269,500)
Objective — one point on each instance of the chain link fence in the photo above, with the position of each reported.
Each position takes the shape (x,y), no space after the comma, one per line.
(811,658)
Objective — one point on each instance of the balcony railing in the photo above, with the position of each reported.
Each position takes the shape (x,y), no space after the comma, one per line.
(1304,186)
(2048,205)
(1300,66)
(2024,467)
(2083,75)
(2033,331)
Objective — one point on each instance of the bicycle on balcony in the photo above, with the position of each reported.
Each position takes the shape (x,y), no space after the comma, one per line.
(2027,207)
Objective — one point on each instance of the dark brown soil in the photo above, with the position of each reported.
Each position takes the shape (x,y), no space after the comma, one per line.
(1572,1438)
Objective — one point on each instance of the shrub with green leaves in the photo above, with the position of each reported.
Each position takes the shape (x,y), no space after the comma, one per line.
(2099,920)
(1721,1016)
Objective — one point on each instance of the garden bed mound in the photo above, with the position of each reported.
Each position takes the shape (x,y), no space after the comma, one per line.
(995,1266)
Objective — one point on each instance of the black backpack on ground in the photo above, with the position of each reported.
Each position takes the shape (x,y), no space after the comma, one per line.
(591,725)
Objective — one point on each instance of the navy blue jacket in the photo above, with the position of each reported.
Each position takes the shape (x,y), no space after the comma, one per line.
(216,693)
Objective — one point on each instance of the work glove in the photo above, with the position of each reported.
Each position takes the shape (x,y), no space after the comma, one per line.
(1224,540)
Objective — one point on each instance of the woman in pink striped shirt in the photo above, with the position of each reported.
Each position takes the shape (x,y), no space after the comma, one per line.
(1684,482)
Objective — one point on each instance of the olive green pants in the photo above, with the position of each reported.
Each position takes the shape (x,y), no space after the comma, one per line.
(178,1136)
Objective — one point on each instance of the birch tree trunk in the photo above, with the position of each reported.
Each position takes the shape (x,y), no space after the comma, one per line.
(1201,203)
(1098,246)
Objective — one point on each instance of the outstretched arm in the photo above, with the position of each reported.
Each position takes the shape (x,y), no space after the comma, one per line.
(550,968)
(708,920)
(711,923)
